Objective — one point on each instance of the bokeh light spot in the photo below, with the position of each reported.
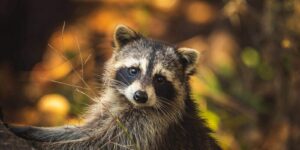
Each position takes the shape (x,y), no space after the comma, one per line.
(54,104)
(200,12)
(164,4)
(250,57)
(286,43)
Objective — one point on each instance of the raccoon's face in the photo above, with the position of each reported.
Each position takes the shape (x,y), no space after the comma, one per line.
(150,73)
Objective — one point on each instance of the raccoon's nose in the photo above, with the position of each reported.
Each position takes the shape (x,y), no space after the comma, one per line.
(140,97)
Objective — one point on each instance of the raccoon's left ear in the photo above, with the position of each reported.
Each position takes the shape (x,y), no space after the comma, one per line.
(123,35)
(189,58)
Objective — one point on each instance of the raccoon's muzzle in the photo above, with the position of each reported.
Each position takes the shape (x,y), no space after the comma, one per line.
(140,96)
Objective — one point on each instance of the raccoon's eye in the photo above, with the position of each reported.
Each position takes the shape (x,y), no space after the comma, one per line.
(159,79)
(133,71)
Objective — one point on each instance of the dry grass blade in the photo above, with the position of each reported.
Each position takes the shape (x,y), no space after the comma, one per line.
(71,85)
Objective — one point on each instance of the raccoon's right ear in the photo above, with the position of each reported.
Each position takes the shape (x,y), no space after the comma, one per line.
(123,35)
(190,58)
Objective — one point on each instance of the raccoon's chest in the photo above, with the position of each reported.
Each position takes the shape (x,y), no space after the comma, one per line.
(134,132)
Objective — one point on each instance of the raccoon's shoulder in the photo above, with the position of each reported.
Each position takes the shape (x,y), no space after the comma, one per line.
(190,132)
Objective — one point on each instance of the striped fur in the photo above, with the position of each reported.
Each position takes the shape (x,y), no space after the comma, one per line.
(167,120)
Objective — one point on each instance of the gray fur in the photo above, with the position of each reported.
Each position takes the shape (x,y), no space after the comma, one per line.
(114,122)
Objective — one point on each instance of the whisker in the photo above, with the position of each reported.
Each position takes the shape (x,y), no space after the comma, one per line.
(164,100)
(118,82)
(124,78)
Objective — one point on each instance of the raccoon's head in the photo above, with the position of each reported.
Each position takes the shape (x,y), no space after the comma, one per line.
(148,73)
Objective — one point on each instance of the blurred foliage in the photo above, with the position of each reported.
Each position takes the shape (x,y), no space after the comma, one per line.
(247,85)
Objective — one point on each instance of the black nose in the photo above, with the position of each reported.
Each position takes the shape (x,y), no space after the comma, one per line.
(140,97)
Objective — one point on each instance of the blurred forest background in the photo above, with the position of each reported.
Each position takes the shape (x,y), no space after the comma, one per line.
(247,85)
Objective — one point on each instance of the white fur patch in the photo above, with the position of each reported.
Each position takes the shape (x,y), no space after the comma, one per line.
(129,62)
(132,62)
(135,86)
(130,90)
(143,64)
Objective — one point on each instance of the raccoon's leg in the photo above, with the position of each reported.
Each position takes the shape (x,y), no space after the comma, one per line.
(48,134)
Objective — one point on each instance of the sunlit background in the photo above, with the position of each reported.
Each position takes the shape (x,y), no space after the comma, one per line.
(248,81)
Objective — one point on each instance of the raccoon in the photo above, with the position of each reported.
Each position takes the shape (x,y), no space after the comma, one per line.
(145,103)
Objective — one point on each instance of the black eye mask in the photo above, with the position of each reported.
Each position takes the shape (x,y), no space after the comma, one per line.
(164,89)
(127,75)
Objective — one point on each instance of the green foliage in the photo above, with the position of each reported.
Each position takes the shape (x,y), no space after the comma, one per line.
(250,57)
(265,71)
(212,119)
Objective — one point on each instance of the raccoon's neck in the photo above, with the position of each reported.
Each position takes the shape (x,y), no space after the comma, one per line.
(134,129)
(117,122)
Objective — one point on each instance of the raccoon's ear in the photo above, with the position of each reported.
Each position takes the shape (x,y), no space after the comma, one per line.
(189,58)
(123,35)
